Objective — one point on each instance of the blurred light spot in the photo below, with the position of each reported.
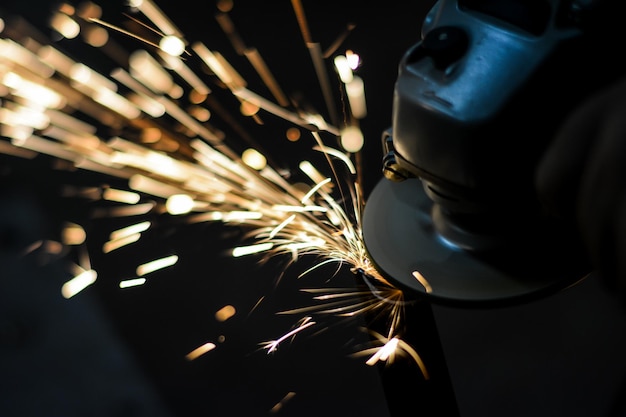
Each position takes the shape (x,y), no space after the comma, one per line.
(354,60)
(179,204)
(32,92)
(120,242)
(148,71)
(151,135)
(279,405)
(78,283)
(225,313)
(311,171)
(196,97)
(65,25)
(352,139)
(121,196)
(88,77)
(128,283)
(156,265)
(130,230)
(200,113)
(343,68)
(67,8)
(176,91)
(248,109)
(225,5)
(254,159)
(293,134)
(172,45)
(355,90)
(89,10)
(96,36)
(73,234)
(52,247)
(199,351)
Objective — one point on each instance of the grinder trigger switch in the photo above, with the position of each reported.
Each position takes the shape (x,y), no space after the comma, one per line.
(445,45)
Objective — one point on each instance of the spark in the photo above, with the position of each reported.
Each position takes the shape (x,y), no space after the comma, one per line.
(131,124)
(200,350)
(249,250)
(124,211)
(279,405)
(120,30)
(225,313)
(179,204)
(121,196)
(78,283)
(343,68)
(157,264)
(356,97)
(120,242)
(420,278)
(134,282)
(73,234)
(384,352)
(273,345)
(391,348)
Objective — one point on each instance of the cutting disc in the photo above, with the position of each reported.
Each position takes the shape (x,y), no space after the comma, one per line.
(405,248)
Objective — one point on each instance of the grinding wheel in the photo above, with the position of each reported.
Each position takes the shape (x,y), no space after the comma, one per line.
(405,248)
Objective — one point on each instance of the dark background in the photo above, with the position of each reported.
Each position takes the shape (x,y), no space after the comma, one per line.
(113,352)
(151,328)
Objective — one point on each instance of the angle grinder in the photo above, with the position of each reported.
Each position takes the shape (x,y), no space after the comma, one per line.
(476,102)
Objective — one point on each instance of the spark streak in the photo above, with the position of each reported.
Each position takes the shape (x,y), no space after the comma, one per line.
(200,350)
(78,283)
(272,345)
(157,264)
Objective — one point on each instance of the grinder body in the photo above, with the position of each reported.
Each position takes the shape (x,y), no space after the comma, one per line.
(475,105)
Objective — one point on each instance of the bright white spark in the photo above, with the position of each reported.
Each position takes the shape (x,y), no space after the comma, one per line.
(157,264)
(172,45)
(352,139)
(249,250)
(272,345)
(78,283)
(420,278)
(179,204)
(343,68)
(384,352)
(132,282)
(111,245)
(281,226)
(130,230)
(121,196)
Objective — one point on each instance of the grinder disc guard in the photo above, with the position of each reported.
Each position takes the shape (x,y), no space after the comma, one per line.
(402,242)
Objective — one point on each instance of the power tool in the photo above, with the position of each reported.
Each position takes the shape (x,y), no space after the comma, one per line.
(476,102)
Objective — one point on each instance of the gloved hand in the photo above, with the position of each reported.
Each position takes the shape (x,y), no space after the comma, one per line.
(582,178)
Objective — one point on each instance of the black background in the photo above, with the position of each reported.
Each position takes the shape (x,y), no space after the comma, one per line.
(557,356)
(162,321)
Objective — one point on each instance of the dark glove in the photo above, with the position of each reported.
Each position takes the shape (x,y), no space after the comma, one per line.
(582,178)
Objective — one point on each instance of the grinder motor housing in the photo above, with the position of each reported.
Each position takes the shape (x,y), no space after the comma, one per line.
(477,101)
